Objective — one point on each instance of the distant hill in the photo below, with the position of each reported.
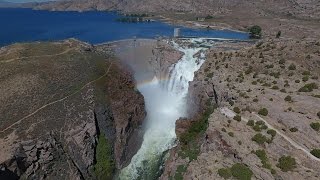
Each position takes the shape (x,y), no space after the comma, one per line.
(291,7)
(7,4)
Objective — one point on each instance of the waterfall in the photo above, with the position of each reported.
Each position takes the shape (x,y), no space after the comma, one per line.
(165,103)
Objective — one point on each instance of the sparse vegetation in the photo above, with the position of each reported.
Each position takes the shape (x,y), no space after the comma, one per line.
(250,123)
(316,153)
(259,138)
(272,132)
(305,78)
(238,171)
(237,118)
(315,126)
(263,112)
(294,129)
(181,169)
(190,148)
(308,87)
(255,32)
(262,155)
(292,67)
(278,34)
(231,134)
(286,163)
(236,110)
(105,166)
(241,172)
(288,98)
(225,173)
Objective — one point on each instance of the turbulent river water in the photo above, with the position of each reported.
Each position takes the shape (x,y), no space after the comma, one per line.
(165,103)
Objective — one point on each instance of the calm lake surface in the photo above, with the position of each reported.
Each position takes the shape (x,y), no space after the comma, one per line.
(25,25)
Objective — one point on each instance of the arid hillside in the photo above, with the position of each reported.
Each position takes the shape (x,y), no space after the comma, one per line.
(266,121)
(67,112)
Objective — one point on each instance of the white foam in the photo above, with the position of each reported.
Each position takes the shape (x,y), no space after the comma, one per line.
(164,105)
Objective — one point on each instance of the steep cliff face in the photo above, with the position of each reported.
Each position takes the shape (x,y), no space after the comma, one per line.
(55,105)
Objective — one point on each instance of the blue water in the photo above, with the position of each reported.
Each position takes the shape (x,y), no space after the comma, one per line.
(25,25)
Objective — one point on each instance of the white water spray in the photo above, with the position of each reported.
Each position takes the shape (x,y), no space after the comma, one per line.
(165,103)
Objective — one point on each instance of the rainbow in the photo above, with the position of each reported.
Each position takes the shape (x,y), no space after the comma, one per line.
(151,82)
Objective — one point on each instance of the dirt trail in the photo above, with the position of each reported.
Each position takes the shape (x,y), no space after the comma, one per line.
(51,103)
(229,113)
(50,55)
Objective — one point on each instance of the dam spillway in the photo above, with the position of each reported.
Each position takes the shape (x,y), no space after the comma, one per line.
(165,100)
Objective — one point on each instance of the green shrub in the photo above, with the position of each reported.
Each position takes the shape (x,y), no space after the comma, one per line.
(316,153)
(305,78)
(283,90)
(225,173)
(282,61)
(278,34)
(317,95)
(250,123)
(236,110)
(196,127)
(262,155)
(237,118)
(104,166)
(306,73)
(291,74)
(189,146)
(308,87)
(286,163)
(288,98)
(275,87)
(241,172)
(210,75)
(315,126)
(256,128)
(269,66)
(181,169)
(259,138)
(255,32)
(255,100)
(293,129)
(231,134)
(263,112)
(260,122)
(292,67)
(272,132)
(208,17)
